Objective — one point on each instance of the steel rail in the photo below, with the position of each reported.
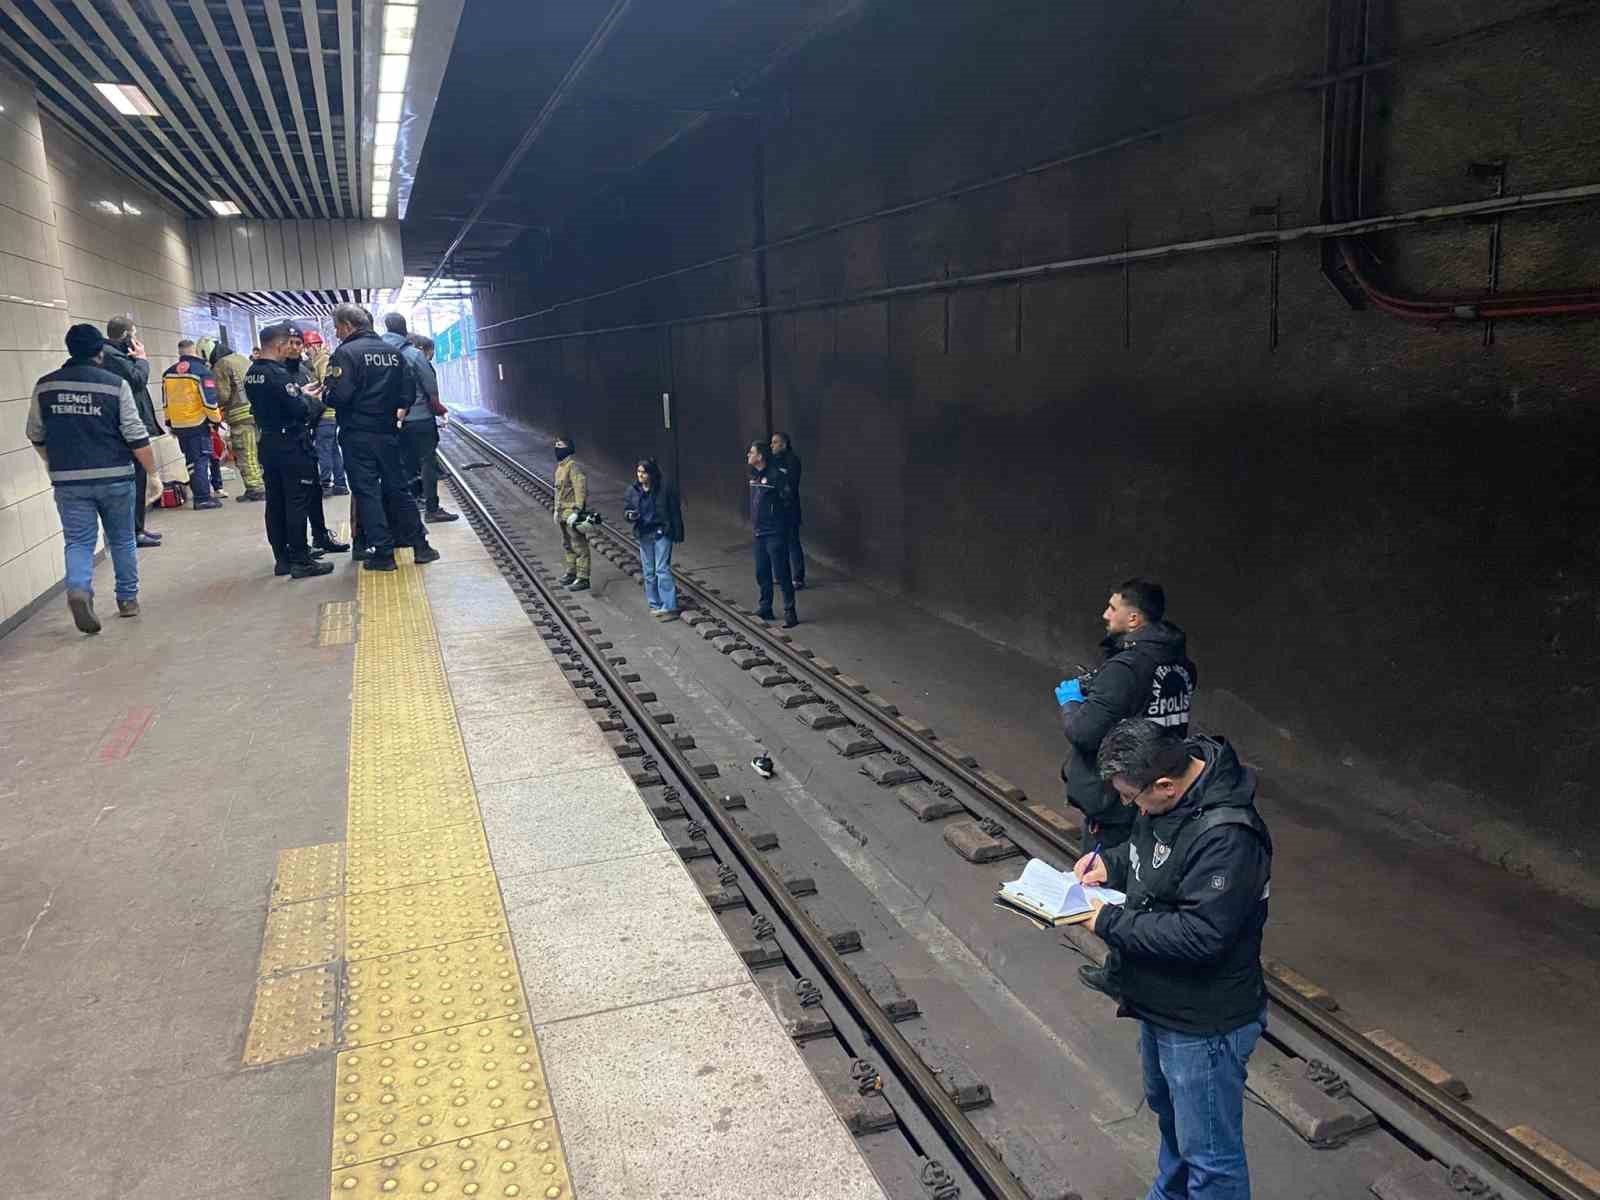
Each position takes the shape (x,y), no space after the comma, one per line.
(1466,1123)
(948,1119)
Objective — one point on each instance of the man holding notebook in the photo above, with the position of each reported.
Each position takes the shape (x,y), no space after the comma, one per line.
(1197,874)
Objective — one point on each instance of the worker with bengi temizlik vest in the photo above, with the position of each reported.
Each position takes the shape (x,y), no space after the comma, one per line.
(190,391)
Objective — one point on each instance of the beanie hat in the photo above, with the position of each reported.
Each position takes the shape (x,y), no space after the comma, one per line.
(84,341)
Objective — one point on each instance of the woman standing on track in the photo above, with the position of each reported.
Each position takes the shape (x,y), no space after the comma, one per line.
(652,505)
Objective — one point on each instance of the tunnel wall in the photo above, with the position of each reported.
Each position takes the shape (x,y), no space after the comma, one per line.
(1381,535)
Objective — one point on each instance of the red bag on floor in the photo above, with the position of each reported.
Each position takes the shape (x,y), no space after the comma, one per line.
(174,494)
(219,448)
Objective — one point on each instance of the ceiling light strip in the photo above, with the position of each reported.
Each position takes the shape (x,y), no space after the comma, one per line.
(258,71)
(311,24)
(291,81)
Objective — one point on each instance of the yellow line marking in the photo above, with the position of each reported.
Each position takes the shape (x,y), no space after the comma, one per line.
(442,1091)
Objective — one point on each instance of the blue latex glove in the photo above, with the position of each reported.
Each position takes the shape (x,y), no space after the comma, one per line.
(1069,691)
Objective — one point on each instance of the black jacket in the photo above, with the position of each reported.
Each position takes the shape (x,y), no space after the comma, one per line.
(790,465)
(1145,674)
(136,371)
(87,422)
(276,399)
(1197,880)
(771,499)
(669,514)
(367,382)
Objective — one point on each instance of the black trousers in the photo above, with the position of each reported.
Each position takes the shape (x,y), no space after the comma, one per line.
(385,511)
(419,441)
(289,469)
(772,562)
(140,483)
(797,555)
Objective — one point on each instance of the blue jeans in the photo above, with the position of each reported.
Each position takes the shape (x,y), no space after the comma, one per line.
(1194,1084)
(84,508)
(330,460)
(196,445)
(655,558)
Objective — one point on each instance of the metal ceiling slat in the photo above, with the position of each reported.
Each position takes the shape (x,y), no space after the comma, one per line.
(294,253)
(97,143)
(291,85)
(224,60)
(164,68)
(98,22)
(319,84)
(247,39)
(352,127)
(225,119)
(256,235)
(89,96)
(274,244)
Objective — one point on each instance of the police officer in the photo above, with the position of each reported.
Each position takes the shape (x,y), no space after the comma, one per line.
(283,415)
(311,386)
(371,388)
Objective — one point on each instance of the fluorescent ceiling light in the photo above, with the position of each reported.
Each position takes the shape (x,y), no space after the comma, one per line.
(127,99)
(224,208)
(392,72)
(381,174)
(389,104)
(380,211)
(382,156)
(385,133)
(399,28)
(131,210)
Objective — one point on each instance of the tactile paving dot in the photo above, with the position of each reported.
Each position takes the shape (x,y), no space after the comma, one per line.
(524,1162)
(401,919)
(402,995)
(409,858)
(308,872)
(413,1093)
(302,935)
(293,1016)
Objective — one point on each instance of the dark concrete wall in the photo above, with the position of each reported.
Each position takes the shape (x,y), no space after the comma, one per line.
(1382,536)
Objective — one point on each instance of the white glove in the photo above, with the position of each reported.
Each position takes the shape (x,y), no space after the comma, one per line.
(572,520)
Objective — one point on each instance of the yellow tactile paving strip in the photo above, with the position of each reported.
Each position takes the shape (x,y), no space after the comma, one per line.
(440,1090)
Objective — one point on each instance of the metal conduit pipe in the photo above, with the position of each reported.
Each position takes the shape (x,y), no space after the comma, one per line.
(1584,193)
(1151,133)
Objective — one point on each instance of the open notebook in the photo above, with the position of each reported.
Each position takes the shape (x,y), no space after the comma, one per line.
(1051,897)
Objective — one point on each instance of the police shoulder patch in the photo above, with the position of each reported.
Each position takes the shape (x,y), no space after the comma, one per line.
(1219,881)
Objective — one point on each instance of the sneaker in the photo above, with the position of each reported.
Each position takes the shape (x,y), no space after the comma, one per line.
(579,585)
(338,489)
(144,541)
(790,618)
(381,562)
(251,495)
(568,579)
(128,608)
(437,515)
(330,545)
(762,765)
(82,606)
(425,554)
(799,585)
(309,568)
(199,505)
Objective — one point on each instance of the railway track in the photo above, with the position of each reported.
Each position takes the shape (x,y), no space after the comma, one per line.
(994,819)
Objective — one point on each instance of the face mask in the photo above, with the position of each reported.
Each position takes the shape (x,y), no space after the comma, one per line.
(563,452)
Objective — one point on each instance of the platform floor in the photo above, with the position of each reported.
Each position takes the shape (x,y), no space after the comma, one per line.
(333,886)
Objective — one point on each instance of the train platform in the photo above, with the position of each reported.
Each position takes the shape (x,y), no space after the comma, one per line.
(333,887)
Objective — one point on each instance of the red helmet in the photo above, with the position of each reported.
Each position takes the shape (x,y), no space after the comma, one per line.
(311,338)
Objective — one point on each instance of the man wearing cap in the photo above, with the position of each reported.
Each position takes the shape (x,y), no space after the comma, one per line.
(370,387)
(85,424)
(230,367)
(284,414)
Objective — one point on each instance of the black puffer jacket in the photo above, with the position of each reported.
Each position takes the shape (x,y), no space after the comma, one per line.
(1145,674)
(1197,880)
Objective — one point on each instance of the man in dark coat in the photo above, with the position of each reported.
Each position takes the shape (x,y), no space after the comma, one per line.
(783,458)
(124,356)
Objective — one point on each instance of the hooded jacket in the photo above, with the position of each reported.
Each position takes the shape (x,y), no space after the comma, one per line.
(1146,673)
(1197,879)
(136,371)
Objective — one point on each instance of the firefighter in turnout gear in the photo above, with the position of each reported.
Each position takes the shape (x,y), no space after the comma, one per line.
(370,389)
(284,413)
(230,367)
(190,391)
(572,496)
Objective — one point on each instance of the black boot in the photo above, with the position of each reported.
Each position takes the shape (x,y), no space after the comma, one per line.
(360,553)
(309,568)
(790,619)
(280,567)
(765,614)
(331,545)
(425,554)
(1100,979)
(568,579)
(381,562)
